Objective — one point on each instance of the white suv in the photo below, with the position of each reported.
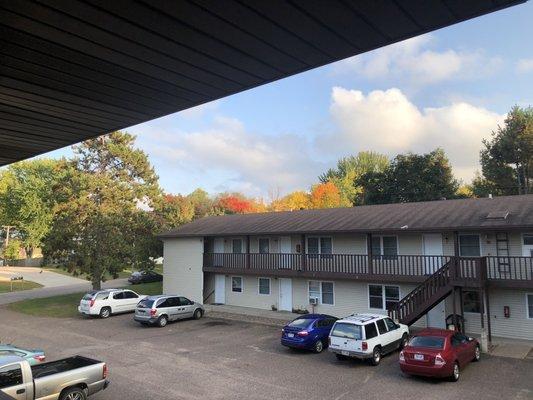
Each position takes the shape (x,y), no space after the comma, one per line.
(367,336)
(109,301)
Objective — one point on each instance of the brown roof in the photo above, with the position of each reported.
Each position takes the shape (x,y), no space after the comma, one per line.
(506,212)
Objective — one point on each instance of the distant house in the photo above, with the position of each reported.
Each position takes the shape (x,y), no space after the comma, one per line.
(420,262)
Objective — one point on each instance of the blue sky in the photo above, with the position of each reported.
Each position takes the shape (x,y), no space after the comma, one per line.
(449,88)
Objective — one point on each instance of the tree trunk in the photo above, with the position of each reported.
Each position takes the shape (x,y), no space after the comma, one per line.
(97,283)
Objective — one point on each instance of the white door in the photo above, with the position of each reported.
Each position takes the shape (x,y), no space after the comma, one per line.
(432,247)
(285,294)
(220,289)
(285,250)
(436,317)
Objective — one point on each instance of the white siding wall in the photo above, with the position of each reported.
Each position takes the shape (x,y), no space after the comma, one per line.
(182,267)
(250,296)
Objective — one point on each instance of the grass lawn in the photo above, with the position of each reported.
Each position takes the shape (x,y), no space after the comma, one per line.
(66,306)
(5,286)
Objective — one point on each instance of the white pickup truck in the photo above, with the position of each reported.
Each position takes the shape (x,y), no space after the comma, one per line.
(73,378)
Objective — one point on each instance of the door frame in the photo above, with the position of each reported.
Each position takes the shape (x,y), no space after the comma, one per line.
(280,280)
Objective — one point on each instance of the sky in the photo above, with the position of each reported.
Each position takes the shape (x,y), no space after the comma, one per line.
(450,88)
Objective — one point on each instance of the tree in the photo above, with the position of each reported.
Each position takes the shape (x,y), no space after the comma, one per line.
(326,195)
(27,195)
(176,210)
(202,203)
(507,159)
(104,220)
(12,251)
(350,169)
(411,177)
(297,200)
(237,203)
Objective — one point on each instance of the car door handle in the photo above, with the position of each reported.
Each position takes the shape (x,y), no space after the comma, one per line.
(20,391)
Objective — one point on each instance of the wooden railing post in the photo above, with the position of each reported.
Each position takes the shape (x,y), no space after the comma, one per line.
(247,261)
(482,270)
(303,254)
(370,268)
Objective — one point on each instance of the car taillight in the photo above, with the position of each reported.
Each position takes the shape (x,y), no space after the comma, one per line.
(104,371)
(303,333)
(402,356)
(364,346)
(153,312)
(91,303)
(439,360)
(39,358)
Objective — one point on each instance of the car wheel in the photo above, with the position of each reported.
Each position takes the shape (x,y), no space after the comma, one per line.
(405,339)
(340,357)
(197,314)
(456,372)
(105,312)
(162,321)
(318,347)
(477,353)
(376,356)
(74,394)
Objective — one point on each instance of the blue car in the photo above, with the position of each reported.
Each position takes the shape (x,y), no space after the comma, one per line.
(310,332)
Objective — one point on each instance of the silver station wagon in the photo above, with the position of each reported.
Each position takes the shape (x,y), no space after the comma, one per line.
(159,310)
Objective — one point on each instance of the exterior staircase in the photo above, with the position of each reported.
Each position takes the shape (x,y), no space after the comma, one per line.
(425,296)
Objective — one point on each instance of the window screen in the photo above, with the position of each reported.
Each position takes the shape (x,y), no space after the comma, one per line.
(327,293)
(314,289)
(469,245)
(236,284)
(264,286)
(237,246)
(312,245)
(530,305)
(325,245)
(264,246)
(375,296)
(390,246)
(392,296)
(471,302)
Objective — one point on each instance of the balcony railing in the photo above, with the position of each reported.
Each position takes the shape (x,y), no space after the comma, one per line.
(464,269)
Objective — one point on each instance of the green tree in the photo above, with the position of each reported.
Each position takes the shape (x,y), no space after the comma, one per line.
(507,158)
(12,251)
(202,203)
(350,169)
(104,220)
(411,177)
(27,196)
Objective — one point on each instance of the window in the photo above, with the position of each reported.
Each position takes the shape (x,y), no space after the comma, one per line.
(184,301)
(169,302)
(324,291)
(264,286)
(10,376)
(370,331)
(528,239)
(529,301)
(319,245)
(383,297)
(391,325)
(433,342)
(471,302)
(386,246)
(236,284)
(118,296)
(469,246)
(130,295)
(236,246)
(264,245)
(381,327)
(349,331)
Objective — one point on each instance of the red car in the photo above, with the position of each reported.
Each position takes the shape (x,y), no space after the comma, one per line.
(438,353)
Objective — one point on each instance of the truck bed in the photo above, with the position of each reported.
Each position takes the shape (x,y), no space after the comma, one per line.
(63,365)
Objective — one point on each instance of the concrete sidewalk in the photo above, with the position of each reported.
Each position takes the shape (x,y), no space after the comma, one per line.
(6,298)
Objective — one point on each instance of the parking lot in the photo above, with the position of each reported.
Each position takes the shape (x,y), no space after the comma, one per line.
(221,359)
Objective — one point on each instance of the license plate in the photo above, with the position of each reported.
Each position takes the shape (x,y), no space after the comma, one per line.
(290,334)
(419,357)
(345,353)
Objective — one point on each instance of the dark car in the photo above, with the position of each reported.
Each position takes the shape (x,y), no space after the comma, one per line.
(438,353)
(144,277)
(308,332)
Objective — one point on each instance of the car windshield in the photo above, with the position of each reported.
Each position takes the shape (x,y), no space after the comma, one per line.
(300,323)
(146,303)
(433,342)
(345,330)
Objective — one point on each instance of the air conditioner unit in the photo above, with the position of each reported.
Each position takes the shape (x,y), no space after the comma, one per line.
(313,301)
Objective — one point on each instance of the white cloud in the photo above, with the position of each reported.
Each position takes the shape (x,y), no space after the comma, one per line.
(524,65)
(199,111)
(386,121)
(413,60)
(255,162)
